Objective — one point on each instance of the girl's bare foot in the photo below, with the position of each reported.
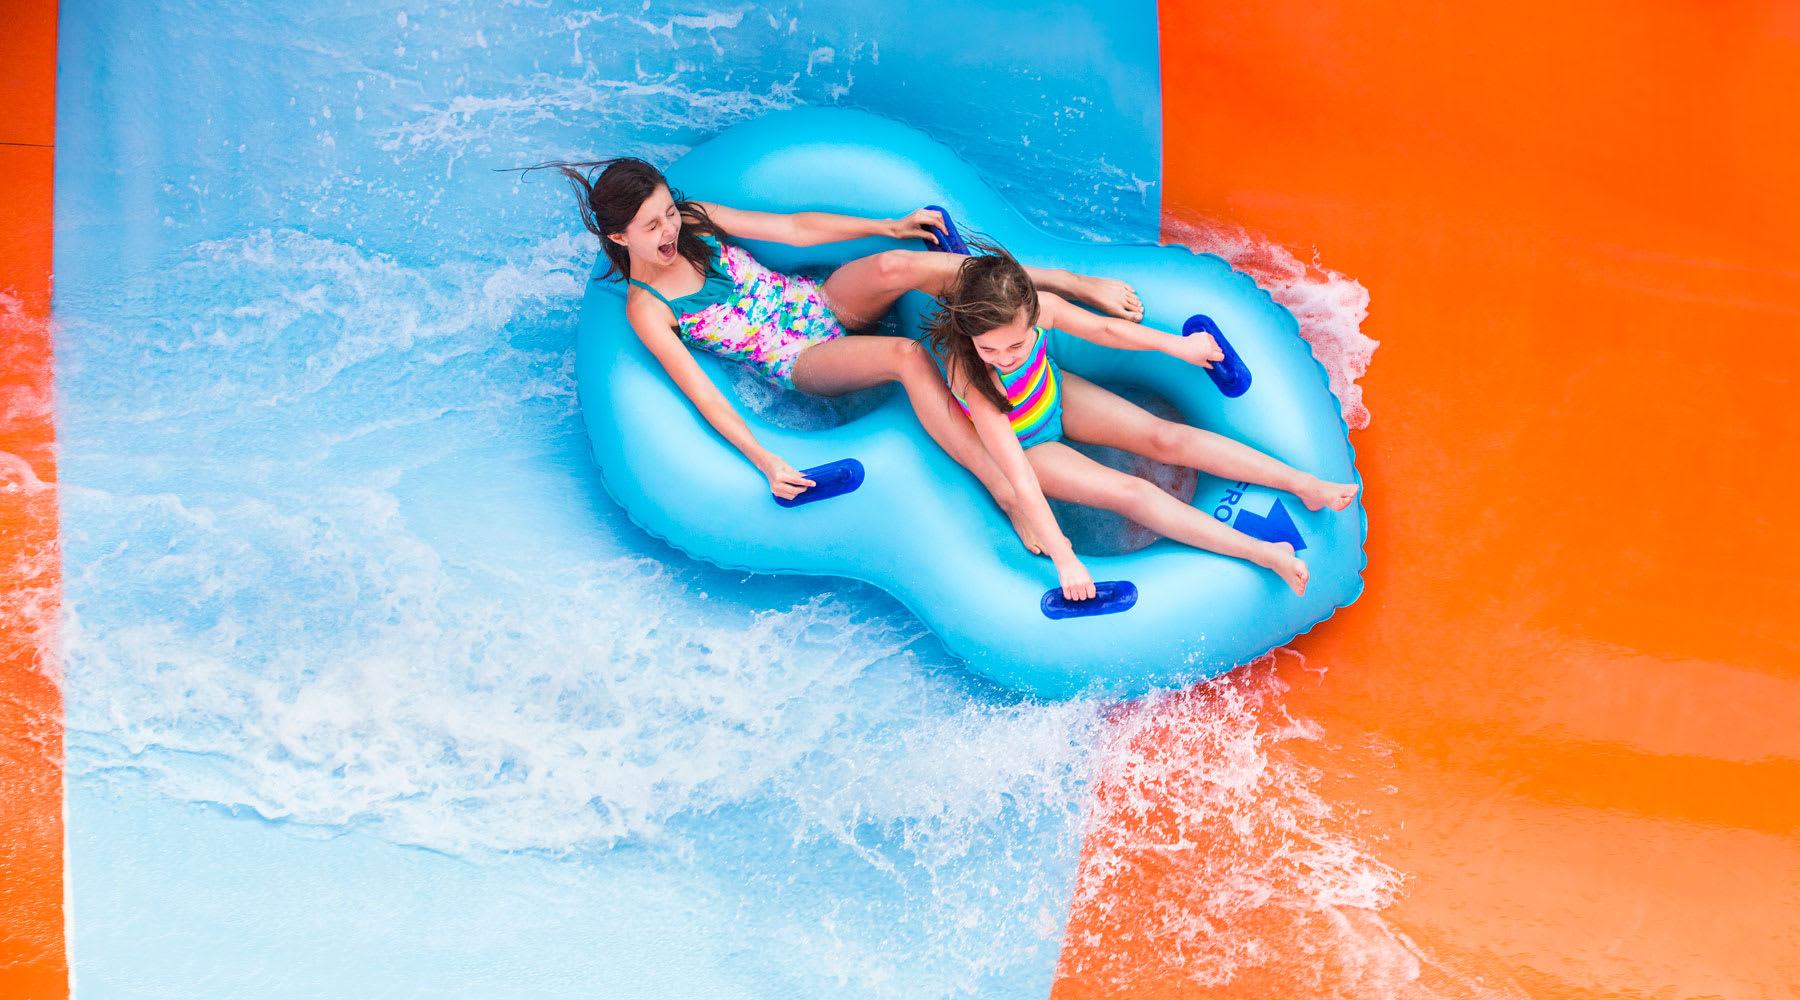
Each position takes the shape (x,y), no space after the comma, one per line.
(1280,557)
(1316,493)
(1112,297)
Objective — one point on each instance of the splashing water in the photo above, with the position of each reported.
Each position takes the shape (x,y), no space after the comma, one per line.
(27,621)
(287,598)
(1238,869)
(1330,306)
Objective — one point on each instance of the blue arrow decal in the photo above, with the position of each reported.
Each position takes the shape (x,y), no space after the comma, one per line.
(1276,526)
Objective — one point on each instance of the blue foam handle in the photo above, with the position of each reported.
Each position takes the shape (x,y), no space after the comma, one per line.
(948,238)
(1230,375)
(833,479)
(1110,598)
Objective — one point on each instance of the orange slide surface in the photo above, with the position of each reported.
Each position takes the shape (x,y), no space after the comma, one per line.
(1567,709)
(32,963)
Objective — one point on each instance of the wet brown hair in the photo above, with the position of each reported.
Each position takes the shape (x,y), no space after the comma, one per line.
(990,290)
(610,199)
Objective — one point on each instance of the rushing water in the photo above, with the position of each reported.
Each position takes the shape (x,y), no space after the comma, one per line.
(335,558)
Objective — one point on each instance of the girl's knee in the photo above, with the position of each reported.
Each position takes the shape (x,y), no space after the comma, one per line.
(1132,496)
(910,359)
(1140,495)
(1168,438)
(897,268)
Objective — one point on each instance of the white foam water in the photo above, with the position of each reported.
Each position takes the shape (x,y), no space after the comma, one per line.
(338,562)
(1252,874)
(1329,305)
(28,602)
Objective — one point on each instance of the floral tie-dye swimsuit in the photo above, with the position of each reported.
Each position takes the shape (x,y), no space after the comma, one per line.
(746,312)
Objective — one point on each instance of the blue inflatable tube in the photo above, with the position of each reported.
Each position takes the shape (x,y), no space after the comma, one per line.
(904,517)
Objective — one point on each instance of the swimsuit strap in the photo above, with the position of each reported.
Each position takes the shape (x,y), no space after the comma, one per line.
(652,291)
(717,281)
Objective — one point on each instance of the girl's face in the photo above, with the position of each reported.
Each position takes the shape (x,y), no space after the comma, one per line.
(650,237)
(1006,347)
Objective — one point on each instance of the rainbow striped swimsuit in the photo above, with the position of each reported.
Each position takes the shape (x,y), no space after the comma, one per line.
(1035,391)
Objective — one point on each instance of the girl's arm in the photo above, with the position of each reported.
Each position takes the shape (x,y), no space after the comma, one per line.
(654,331)
(1053,310)
(996,434)
(806,229)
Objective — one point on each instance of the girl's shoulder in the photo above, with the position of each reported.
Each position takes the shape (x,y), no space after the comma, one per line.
(961,378)
(645,309)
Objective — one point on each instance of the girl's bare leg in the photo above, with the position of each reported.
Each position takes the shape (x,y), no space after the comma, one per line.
(1067,474)
(848,364)
(1109,295)
(1097,416)
(861,291)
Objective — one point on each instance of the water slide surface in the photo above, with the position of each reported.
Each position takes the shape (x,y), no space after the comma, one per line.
(1551,752)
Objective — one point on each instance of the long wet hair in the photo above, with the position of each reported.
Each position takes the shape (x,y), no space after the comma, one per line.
(610,199)
(991,288)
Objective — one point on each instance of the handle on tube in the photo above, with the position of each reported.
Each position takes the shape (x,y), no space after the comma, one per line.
(1110,598)
(1230,375)
(833,479)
